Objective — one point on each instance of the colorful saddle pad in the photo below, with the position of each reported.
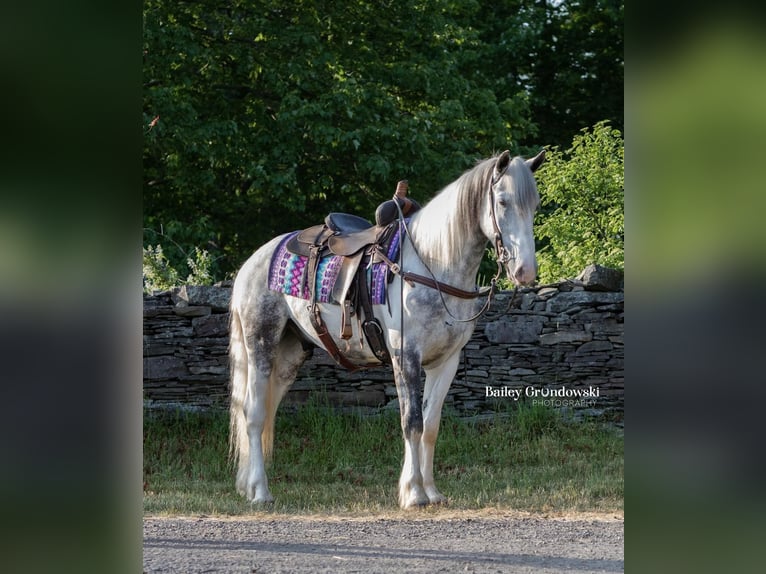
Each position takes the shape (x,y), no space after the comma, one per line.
(288,273)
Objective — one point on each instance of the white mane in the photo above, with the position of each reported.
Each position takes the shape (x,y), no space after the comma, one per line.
(451,221)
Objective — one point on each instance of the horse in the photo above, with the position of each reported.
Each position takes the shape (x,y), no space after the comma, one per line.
(424,324)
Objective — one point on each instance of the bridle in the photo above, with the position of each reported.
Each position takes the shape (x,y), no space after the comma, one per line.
(504,256)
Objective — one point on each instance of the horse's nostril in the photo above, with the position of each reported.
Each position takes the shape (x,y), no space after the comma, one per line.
(523,275)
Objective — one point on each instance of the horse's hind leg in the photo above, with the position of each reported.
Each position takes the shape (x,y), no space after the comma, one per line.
(256,407)
(274,362)
(291,353)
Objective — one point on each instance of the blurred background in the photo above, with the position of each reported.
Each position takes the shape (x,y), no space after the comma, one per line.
(695,197)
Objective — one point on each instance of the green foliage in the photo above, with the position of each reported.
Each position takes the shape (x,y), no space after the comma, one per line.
(563,59)
(181,240)
(199,265)
(577,70)
(261,117)
(160,275)
(582,192)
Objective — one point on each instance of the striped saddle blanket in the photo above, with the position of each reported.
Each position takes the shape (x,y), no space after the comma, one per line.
(288,273)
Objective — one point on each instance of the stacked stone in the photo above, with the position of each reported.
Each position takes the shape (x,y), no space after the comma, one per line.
(569,334)
(186,338)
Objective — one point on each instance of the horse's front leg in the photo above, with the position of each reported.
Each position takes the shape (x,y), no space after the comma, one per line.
(438,381)
(411,492)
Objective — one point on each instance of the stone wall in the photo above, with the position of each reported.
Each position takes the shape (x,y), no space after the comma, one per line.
(549,340)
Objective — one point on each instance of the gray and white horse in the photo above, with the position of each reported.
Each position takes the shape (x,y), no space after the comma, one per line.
(271,331)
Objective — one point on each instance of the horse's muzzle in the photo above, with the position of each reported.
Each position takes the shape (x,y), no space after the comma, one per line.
(523,275)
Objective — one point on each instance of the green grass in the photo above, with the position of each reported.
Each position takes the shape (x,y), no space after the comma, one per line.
(526,459)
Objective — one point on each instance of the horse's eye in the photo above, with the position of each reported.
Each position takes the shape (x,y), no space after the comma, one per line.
(502,202)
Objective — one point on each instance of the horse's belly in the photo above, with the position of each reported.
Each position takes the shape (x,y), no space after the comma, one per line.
(355,348)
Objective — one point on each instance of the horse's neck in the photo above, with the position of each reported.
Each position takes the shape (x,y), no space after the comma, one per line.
(451,247)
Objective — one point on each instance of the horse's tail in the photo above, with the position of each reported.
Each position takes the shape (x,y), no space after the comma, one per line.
(239,446)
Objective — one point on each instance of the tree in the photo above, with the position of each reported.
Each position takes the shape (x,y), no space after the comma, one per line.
(582,194)
(272,114)
(262,116)
(564,58)
(577,68)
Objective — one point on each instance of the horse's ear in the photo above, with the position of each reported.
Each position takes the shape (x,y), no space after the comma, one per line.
(534,162)
(502,162)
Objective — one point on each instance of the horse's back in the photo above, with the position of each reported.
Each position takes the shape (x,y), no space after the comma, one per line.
(251,285)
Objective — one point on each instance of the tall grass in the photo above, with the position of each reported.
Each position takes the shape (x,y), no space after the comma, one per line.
(527,458)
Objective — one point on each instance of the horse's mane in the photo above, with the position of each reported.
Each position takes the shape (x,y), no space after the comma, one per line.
(453,217)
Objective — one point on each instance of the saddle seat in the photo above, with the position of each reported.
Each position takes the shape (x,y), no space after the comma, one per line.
(341,234)
(346,222)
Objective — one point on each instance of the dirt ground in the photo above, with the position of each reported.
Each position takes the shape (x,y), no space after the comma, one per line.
(480,542)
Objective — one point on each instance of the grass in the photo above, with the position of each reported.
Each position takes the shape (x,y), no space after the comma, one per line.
(526,459)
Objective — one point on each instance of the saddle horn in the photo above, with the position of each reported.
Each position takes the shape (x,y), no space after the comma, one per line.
(387,211)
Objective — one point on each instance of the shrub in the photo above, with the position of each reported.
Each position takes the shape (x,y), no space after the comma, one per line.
(582,193)
(160,275)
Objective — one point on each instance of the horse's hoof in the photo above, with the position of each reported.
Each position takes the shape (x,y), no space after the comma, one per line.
(439,500)
(262,499)
(415,501)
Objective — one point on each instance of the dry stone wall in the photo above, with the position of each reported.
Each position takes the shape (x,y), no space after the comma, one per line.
(559,345)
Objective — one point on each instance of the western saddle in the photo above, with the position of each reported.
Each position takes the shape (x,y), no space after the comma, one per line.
(361,244)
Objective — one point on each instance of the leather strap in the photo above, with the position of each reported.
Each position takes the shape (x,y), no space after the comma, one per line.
(315,316)
(428,281)
(371,327)
(329,342)
(503,254)
(443,287)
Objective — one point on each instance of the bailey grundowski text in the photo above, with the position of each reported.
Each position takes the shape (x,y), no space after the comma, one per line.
(537,393)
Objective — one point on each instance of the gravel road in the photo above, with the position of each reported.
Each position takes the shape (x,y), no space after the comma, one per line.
(458,543)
